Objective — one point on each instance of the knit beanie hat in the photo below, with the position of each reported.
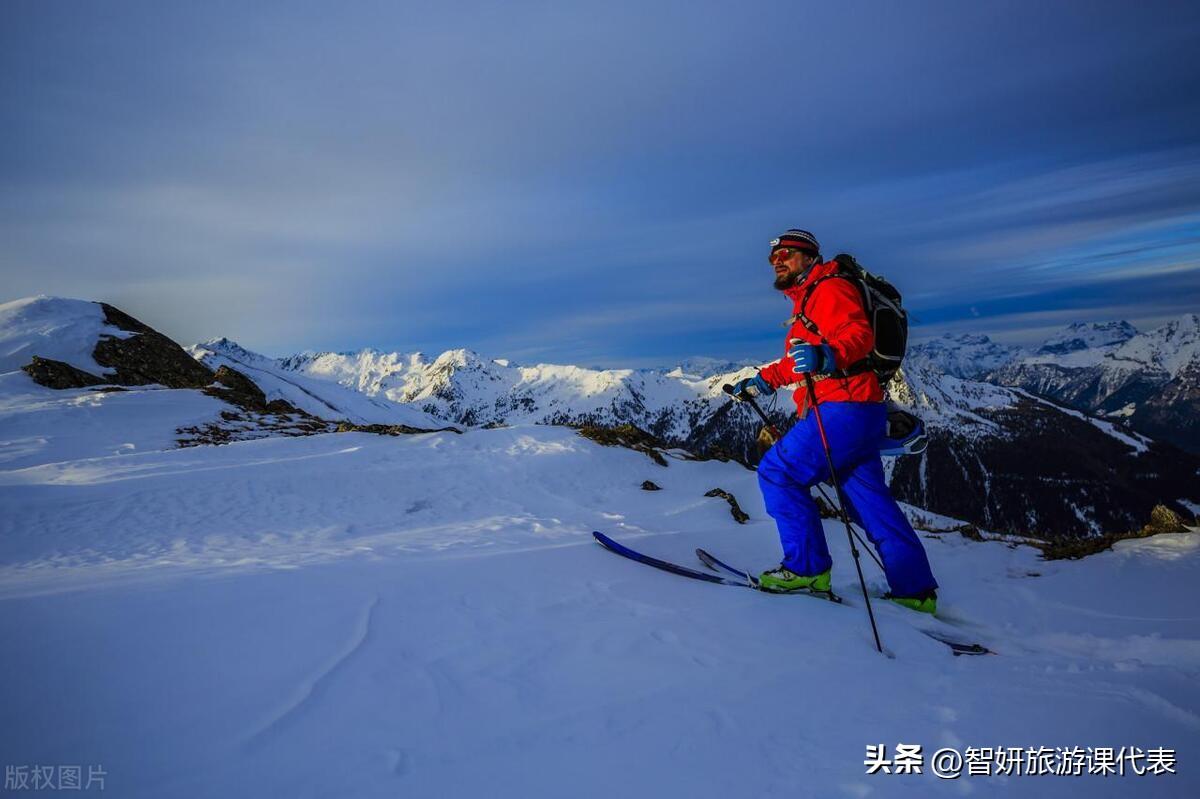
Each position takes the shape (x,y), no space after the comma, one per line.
(797,239)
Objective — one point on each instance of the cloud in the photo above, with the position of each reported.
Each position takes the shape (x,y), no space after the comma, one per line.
(575,180)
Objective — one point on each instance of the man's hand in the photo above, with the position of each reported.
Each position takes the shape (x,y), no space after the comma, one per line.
(751,387)
(816,359)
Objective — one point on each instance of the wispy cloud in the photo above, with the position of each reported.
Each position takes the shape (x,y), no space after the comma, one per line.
(571,183)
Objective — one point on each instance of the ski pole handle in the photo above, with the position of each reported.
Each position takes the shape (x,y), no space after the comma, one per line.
(772,429)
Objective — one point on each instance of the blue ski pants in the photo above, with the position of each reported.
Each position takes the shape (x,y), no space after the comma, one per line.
(795,464)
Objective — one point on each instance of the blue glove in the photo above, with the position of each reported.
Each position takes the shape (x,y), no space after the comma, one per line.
(816,359)
(751,387)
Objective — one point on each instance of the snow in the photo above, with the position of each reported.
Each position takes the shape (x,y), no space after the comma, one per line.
(41,426)
(55,328)
(427,615)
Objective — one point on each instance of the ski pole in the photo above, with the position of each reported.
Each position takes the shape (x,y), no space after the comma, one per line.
(870,551)
(774,431)
(837,488)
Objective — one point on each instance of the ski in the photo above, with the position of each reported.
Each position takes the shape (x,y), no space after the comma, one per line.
(957,647)
(673,568)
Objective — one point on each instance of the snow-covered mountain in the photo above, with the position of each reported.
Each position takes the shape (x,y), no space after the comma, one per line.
(1150,379)
(1013,461)
(1147,379)
(700,367)
(969,355)
(463,388)
(316,393)
(1093,476)
(1095,337)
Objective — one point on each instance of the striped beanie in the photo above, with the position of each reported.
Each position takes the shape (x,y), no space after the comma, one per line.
(797,239)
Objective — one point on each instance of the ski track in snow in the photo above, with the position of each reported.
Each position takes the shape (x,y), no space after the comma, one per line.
(314,690)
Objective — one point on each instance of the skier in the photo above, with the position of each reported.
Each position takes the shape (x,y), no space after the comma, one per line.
(855,418)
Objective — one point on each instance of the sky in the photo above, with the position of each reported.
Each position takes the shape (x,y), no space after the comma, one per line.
(595,183)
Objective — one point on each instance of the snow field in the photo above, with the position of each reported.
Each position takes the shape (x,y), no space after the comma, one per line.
(356,615)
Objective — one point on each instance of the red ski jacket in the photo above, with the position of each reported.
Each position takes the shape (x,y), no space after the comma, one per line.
(837,310)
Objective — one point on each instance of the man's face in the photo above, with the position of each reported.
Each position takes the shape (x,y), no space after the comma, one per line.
(788,264)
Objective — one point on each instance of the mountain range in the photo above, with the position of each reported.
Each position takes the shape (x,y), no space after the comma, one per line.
(1005,455)
(1148,380)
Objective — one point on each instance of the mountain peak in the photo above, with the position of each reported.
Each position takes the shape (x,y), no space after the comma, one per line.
(1087,335)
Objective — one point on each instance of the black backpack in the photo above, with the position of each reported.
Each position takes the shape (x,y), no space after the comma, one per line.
(885,311)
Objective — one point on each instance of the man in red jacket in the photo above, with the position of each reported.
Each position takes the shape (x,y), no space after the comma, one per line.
(855,418)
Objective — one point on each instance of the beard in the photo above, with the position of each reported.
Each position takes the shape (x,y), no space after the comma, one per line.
(784,282)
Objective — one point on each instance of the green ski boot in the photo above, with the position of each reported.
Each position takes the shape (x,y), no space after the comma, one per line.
(925,602)
(783,580)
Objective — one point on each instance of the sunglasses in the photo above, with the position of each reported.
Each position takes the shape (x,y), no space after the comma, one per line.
(782,253)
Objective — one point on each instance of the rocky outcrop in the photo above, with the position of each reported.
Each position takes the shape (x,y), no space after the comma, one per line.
(238,425)
(1164,520)
(147,357)
(235,388)
(59,375)
(739,515)
(629,436)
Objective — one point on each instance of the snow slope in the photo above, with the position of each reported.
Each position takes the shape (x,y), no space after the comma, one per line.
(55,328)
(427,616)
(39,425)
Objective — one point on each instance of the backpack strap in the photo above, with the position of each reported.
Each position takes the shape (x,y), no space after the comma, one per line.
(856,368)
(801,316)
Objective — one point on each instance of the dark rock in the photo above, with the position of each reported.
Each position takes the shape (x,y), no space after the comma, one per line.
(971,532)
(629,436)
(1164,520)
(647,485)
(235,388)
(739,515)
(148,357)
(59,375)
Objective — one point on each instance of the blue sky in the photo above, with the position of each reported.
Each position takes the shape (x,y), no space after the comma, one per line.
(594,182)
